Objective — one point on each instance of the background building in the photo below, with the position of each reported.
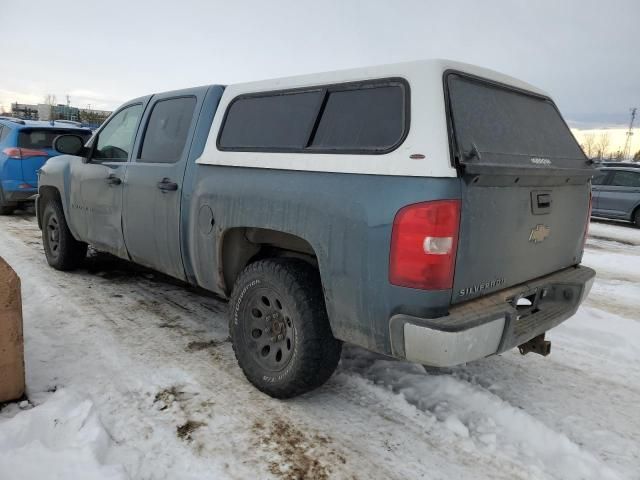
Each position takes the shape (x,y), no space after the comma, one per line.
(93,118)
(44,111)
(58,112)
(24,110)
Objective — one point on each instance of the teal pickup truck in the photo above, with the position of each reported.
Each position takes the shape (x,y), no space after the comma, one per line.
(430,211)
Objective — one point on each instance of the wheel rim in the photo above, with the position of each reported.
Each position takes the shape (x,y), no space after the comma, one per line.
(53,235)
(268,330)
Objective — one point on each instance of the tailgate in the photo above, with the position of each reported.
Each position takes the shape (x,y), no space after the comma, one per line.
(526,186)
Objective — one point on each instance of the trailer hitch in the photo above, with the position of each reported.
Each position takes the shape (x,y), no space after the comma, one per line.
(536,345)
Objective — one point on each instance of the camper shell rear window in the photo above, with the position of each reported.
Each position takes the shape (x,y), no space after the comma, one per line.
(496,125)
(368,117)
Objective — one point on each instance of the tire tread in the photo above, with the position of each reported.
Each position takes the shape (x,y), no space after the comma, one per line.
(320,351)
(72,251)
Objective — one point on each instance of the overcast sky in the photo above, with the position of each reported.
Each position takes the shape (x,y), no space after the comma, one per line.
(585,53)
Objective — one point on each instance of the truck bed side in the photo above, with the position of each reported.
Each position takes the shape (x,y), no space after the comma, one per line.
(347,220)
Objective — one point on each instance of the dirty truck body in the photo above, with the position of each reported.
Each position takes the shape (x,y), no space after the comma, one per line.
(443,208)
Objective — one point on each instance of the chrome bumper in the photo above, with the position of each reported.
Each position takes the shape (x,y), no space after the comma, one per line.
(491,324)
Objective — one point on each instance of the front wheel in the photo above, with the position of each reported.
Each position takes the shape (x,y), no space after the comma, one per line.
(636,218)
(63,252)
(280,329)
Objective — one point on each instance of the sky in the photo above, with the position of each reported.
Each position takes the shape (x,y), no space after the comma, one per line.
(584,53)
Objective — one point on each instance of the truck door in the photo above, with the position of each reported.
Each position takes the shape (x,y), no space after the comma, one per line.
(598,182)
(95,205)
(153,183)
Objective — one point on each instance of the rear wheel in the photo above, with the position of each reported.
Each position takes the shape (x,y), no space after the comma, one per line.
(280,329)
(636,218)
(4,208)
(63,252)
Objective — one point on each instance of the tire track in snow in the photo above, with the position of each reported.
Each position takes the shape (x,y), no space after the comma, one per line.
(479,416)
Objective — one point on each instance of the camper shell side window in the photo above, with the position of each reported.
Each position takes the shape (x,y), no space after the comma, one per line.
(368,117)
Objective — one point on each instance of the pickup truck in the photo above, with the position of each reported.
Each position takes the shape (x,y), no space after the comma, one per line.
(430,211)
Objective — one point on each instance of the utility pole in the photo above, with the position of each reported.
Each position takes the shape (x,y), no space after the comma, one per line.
(627,143)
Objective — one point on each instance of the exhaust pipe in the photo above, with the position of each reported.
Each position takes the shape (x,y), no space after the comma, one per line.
(536,345)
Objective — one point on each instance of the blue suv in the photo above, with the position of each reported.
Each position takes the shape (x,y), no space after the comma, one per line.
(25,146)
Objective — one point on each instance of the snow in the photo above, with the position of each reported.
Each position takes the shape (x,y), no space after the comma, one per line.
(60,439)
(130,375)
(618,231)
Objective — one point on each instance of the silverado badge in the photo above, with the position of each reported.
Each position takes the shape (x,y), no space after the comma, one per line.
(539,233)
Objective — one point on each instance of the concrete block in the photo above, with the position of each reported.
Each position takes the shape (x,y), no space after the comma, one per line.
(11,340)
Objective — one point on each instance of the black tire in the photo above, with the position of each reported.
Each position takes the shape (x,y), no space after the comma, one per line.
(280,329)
(636,218)
(63,252)
(5,209)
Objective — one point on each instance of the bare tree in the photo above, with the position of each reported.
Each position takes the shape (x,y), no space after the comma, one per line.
(603,145)
(636,157)
(50,100)
(589,145)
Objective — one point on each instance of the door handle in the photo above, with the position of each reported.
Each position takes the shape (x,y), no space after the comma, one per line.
(544,200)
(541,202)
(167,185)
(113,180)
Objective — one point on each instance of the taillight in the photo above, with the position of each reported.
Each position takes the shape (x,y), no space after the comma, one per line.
(586,227)
(22,153)
(423,245)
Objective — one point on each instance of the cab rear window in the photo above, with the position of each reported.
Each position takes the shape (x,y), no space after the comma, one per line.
(499,125)
(43,138)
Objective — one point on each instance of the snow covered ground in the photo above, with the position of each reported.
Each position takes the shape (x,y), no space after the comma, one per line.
(131,375)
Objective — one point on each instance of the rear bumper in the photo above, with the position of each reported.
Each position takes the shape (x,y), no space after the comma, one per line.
(20,195)
(11,192)
(491,324)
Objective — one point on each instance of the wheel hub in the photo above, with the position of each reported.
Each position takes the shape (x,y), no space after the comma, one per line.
(269,330)
(277,326)
(53,234)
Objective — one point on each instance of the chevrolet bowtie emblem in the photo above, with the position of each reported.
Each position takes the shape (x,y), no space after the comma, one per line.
(539,233)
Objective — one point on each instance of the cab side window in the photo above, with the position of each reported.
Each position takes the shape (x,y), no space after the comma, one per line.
(167,129)
(115,140)
(626,179)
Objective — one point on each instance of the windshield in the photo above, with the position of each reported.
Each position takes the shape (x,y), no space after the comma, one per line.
(507,126)
(43,138)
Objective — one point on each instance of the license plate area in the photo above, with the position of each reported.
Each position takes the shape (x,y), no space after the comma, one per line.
(527,303)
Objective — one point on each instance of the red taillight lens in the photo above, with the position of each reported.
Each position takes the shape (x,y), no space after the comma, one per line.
(21,153)
(12,152)
(586,227)
(423,245)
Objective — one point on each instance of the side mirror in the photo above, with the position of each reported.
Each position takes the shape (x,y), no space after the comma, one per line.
(69,145)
